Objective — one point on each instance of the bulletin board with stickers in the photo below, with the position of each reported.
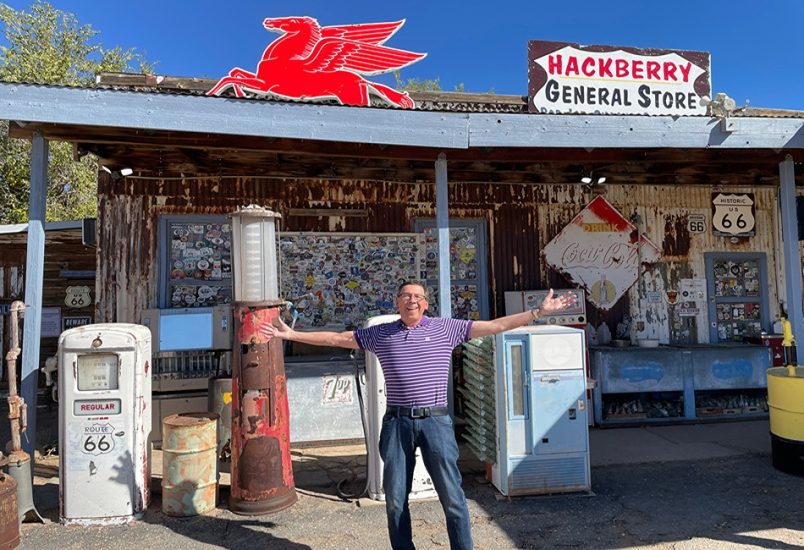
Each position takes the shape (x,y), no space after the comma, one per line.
(334,280)
(338,280)
(199,260)
(468,287)
(739,304)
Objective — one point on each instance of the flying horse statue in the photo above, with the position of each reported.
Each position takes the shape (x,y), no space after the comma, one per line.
(313,62)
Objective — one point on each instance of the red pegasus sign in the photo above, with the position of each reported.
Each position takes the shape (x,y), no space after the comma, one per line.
(313,62)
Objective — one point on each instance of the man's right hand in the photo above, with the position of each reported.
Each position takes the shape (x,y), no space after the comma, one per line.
(278,329)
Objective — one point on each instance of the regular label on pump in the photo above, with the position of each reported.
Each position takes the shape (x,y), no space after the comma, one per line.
(96,407)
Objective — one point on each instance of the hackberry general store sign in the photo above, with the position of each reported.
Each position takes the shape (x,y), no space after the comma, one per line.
(602,252)
(569,78)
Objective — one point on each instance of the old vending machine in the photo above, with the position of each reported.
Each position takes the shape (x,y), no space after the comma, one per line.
(375,405)
(542,428)
(104,423)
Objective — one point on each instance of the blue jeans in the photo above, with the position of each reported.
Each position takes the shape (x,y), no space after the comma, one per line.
(435,436)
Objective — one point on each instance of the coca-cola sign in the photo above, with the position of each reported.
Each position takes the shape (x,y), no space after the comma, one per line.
(602,252)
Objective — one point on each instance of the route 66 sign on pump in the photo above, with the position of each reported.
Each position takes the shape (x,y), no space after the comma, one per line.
(733,215)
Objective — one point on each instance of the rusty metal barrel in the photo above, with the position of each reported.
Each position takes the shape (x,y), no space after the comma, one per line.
(9,522)
(189,463)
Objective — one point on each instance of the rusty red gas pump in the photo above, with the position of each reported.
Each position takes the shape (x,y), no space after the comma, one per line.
(262,473)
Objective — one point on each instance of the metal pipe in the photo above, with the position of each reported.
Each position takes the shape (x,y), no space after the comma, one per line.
(16,404)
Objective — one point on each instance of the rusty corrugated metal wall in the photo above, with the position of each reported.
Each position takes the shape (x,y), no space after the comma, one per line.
(521,219)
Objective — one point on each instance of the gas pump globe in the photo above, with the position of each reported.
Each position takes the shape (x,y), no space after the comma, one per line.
(262,473)
(254,254)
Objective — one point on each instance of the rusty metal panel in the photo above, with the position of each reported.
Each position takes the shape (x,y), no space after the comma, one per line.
(522,219)
(9,522)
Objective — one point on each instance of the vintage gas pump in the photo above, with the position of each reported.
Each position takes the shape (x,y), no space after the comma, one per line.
(262,473)
(104,423)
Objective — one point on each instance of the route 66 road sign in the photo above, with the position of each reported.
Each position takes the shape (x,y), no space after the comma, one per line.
(733,214)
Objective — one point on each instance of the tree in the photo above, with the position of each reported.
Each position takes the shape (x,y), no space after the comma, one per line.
(418,85)
(48,46)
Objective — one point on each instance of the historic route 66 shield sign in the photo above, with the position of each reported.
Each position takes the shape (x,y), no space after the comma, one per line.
(733,215)
(77,297)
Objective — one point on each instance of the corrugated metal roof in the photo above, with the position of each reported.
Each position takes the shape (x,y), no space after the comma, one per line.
(425,101)
(13,228)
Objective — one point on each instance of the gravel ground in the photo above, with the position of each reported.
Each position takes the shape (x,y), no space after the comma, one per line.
(734,502)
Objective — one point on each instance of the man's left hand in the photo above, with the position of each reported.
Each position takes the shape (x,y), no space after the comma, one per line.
(552,304)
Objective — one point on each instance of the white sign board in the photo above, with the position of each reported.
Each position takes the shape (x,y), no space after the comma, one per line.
(599,250)
(570,78)
(696,223)
(733,215)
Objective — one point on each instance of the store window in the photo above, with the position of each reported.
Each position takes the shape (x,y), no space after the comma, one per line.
(738,291)
(196,261)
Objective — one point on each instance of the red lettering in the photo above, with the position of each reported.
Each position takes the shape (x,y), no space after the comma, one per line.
(685,71)
(587,67)
(653,69)
(621,68)
(554,64)
(605,68)
(669,71)
(637,68)
(572,66)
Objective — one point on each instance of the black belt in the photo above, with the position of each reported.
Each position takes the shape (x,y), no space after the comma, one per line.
(417,412)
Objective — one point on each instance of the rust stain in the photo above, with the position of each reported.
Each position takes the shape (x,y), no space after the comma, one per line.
(676,241)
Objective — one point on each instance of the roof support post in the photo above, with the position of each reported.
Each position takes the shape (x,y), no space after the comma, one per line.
(34,276)
(442,223)
(792,257)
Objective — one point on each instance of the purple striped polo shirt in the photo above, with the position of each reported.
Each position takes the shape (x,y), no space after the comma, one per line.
(415,361)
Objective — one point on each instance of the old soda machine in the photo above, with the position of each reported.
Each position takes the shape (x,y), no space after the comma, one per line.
(542,426)
(104,423)
(375,404)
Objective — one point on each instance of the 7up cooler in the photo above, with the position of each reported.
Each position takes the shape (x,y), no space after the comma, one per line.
(104,423)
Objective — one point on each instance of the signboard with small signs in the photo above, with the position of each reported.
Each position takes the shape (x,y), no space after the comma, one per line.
(733,215)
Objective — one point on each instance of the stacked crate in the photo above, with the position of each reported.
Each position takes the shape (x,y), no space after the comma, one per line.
(478,395)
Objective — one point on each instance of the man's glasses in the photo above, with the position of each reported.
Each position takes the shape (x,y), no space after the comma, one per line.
(410,297)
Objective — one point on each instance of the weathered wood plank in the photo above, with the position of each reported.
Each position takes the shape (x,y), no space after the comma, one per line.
(586,131)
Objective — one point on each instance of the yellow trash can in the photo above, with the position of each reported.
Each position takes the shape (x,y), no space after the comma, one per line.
(786,410)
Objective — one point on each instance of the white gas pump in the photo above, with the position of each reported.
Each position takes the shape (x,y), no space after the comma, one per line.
(375,404)
(104,423)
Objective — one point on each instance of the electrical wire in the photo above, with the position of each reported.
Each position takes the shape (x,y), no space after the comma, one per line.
(339,487)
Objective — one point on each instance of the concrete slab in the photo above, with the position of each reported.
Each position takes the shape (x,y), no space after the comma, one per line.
(681,442)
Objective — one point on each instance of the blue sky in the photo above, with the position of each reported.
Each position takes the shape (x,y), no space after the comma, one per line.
(756,47)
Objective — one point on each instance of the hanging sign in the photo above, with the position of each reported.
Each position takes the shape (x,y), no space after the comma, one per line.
(311,62)
(569,78)
(601,251)
(733,215)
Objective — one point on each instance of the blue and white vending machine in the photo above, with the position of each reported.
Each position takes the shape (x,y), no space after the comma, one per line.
(542,427)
